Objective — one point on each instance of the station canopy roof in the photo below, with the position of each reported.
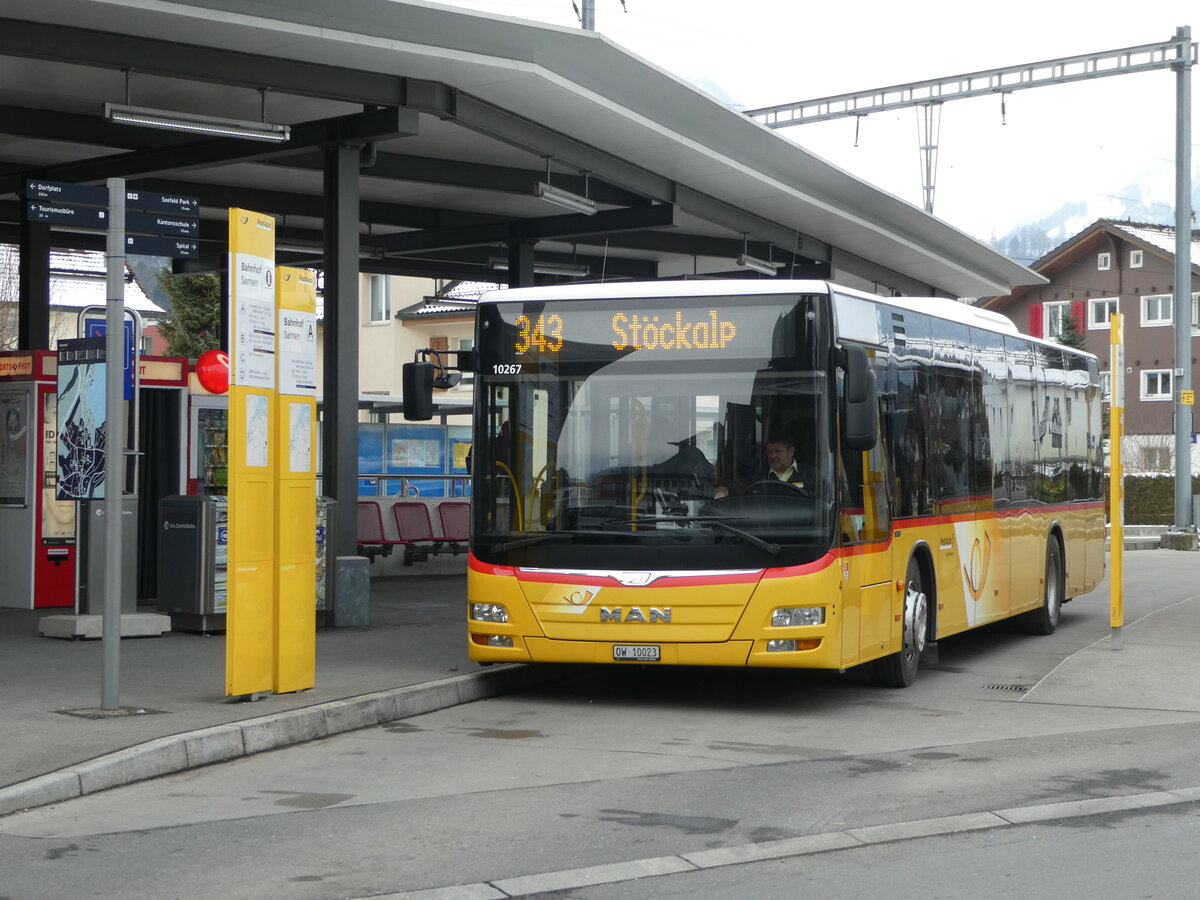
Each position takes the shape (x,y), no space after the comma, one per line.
(459,115)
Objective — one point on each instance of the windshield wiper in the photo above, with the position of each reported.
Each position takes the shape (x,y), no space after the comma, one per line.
(530,541)
(717,521)
(562,535)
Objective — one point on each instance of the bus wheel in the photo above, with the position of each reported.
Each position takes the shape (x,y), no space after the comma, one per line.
(900,669)
(1044,619)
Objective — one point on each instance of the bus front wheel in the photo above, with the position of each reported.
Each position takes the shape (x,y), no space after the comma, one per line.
(1044,619)
(900,669)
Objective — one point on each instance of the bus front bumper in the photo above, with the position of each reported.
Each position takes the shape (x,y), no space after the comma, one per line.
(725,653)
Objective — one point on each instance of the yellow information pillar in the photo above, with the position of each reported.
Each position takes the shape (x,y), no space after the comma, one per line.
(296,499)
(249,624)
(1116,484)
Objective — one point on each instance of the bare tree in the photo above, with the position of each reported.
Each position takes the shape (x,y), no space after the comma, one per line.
(1148,454)
(10,292)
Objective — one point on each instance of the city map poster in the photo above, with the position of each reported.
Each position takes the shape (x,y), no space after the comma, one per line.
(81,421)
(14,443)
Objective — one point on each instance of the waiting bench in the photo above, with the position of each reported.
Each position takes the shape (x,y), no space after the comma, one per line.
(413,529)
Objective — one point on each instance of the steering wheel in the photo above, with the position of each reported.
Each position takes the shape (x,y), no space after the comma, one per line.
(775,487)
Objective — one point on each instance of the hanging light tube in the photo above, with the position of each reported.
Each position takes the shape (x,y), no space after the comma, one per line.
(214,126)
(746,261)
(566,199)
(564,269)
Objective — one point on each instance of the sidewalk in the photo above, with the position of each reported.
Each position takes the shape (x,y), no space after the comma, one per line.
(412,659)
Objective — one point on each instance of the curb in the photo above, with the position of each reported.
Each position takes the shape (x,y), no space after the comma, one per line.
(807,845)
(221,743)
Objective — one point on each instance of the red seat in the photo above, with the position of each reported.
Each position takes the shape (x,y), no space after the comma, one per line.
(372,541)
(415,531)
(456,522)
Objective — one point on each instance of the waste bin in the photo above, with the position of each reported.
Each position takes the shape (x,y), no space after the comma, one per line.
(93,558)
(193,537)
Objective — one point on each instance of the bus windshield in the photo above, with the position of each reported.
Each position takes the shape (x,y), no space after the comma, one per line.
(658,433)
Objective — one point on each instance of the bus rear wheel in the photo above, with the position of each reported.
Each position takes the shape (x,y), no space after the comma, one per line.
(900,669)
(1044,619)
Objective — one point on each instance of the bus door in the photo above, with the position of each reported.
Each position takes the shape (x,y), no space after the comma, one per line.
(990,574)
(961,550)
(1025,393)
(865,521)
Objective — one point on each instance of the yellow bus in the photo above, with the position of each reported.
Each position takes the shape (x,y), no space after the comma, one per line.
(771,473)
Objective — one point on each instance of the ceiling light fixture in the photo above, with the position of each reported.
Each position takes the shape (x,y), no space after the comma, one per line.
(565,269)
(214,126)
(579,203)
(758,265)
(763,266)
(559,197)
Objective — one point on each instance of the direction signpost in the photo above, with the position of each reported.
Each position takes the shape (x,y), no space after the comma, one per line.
(67,214)
(160,225)
(156,224)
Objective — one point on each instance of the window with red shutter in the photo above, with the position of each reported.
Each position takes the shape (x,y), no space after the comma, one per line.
(1035,320)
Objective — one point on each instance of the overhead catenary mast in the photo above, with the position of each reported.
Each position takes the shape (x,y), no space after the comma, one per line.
(587,18)
(1178,53)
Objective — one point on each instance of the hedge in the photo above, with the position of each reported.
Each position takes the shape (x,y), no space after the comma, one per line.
(1149,499)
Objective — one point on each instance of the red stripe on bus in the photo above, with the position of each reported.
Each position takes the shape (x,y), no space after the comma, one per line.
(807,569)
(667,580)
(480,566)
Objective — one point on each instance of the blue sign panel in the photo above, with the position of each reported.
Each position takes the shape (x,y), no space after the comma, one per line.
(99,328)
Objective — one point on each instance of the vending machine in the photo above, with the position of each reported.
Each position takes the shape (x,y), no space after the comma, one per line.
(208,468)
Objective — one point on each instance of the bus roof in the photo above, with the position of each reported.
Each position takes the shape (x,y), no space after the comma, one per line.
(621,290)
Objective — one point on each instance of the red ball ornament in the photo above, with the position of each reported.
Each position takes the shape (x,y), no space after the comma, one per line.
(212,370)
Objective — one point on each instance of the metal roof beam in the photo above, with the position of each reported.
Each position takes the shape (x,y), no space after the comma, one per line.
(478,176)
(687,244)
(479,270)
(743,222)
(108,50)
(289,203)
(376,124)
(566,227)
(484,118)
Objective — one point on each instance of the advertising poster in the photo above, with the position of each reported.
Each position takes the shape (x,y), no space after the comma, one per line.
(14,455)
(58,516)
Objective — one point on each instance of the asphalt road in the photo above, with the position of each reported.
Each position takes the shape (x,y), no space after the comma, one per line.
(620,766)
(1149,855)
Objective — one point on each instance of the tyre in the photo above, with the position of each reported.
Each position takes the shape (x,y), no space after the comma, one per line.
(1044,619)
(900,669)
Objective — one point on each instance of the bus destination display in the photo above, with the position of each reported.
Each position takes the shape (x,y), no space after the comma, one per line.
(631,331)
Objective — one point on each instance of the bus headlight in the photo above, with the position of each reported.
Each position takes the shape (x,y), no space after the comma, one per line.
(788,646)
(489,612)
(798,615)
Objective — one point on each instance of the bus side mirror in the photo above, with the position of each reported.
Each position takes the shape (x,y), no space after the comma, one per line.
(417,383)
(861,420)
